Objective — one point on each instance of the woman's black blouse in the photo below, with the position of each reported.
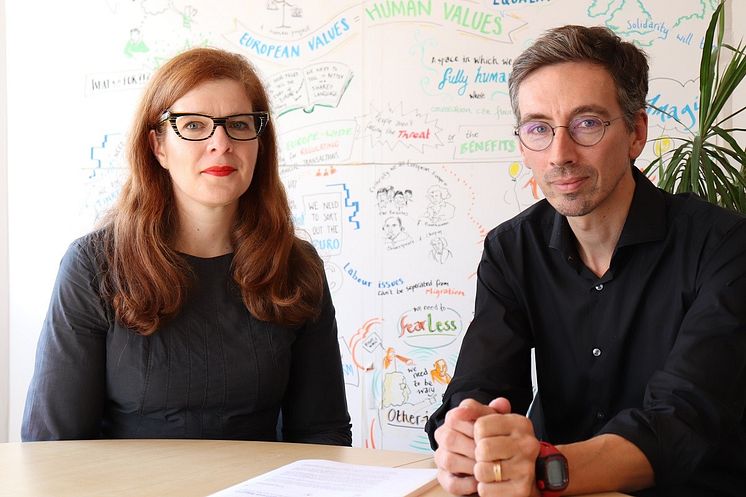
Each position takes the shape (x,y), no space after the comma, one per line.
(213,372)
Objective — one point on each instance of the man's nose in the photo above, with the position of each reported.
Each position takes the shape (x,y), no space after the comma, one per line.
(563,149)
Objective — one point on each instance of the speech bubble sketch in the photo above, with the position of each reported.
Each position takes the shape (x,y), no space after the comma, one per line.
(673,105)
(321,84)
(323,220)
(394,127)
(364,342)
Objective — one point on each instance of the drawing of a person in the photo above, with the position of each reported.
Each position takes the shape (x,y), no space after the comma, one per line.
(440,252)
(382,198)
(135,44)
(399,199)
(396,235)
(440,372)
(438,210)
(391,358)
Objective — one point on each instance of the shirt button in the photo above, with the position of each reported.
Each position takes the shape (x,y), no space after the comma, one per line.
(599,287)
(596,352)
(600,415)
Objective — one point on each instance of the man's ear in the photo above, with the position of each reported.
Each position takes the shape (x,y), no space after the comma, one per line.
(157,147)
(639,134)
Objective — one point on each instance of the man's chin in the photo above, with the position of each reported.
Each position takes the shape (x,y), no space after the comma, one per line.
(572,207)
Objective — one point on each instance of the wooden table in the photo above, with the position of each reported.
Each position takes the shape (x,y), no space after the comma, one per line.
(162,468)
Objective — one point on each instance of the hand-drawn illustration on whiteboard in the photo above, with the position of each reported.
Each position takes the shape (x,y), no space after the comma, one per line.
(397,152)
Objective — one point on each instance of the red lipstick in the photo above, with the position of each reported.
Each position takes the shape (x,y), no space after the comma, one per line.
(219,170)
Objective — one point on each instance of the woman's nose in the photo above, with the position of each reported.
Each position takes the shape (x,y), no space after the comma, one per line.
(220,141)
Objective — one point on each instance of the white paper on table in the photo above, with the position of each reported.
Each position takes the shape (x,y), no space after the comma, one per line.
(321,478)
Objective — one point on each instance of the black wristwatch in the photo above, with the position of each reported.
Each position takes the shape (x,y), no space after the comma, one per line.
(552,473)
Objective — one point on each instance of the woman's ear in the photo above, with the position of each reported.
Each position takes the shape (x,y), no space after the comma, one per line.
(157,147)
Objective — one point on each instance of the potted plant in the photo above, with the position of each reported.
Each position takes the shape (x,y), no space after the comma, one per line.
(709,162)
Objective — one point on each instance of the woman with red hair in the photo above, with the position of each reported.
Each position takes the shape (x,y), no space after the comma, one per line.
(194,311)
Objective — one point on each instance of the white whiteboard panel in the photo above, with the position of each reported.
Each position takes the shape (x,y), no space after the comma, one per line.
(397,152)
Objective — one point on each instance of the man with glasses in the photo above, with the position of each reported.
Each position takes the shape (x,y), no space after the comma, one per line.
(632,298)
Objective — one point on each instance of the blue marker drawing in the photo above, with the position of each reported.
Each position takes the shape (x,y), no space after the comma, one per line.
(355,204)
(109,154)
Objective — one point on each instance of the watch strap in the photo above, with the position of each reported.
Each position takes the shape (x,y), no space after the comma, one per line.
(548,452)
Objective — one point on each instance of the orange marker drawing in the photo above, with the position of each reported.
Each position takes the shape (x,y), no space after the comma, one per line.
(392,356)
(440,372)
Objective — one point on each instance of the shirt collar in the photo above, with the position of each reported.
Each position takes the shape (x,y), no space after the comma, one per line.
(646,220)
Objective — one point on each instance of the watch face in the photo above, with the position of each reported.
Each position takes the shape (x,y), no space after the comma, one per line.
(553,472)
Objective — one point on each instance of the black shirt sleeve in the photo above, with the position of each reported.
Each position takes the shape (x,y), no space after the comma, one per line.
(494,360)
(67,392)
(315,406)
(697,401)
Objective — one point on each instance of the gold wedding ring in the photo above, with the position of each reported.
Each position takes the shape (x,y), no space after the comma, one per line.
(497,469)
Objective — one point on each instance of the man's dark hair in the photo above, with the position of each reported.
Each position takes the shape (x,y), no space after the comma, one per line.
(626,63)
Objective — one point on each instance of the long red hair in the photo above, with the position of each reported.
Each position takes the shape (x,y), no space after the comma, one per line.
(146,281)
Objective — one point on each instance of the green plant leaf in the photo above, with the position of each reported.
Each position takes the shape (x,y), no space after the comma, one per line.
(736,176)
(707,66)
(726,136)
(730,116)
(727,195)
(734,73)
(710,161)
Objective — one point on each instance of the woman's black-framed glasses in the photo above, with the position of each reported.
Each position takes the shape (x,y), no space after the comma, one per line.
(584,130)
(198,127)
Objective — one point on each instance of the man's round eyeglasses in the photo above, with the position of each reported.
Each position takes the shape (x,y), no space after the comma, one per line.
(584,130)
(198,127)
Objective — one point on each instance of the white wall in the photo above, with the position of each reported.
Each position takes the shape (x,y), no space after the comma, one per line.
(4,342)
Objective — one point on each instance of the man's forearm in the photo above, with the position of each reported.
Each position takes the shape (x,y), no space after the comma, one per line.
(606,463)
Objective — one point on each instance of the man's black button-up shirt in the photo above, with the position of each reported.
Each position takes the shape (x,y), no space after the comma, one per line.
(654,350)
